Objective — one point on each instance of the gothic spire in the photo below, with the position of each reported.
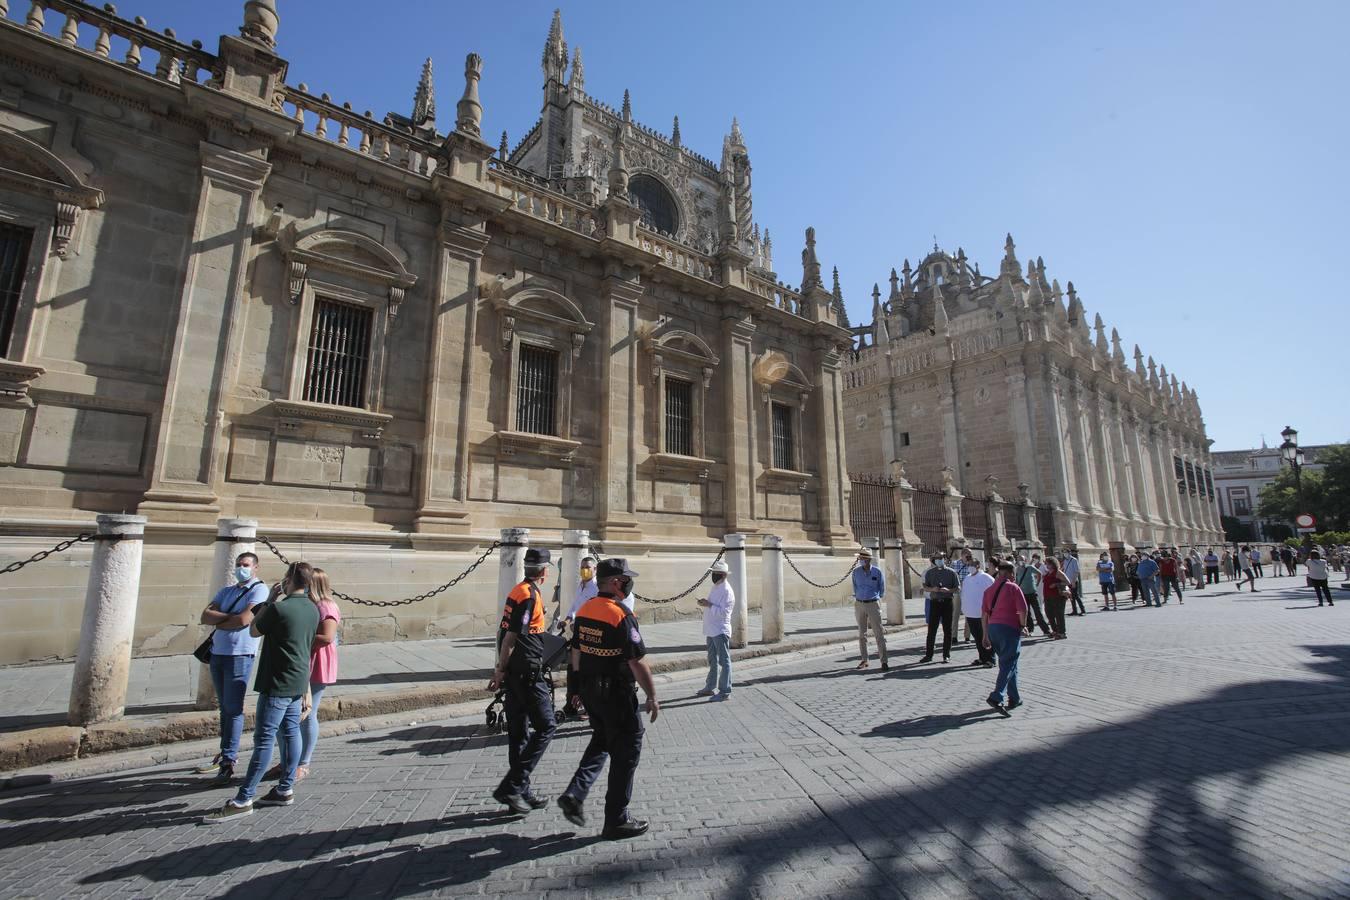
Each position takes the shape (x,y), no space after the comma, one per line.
(737,138)
(1035,295)
(941,324)
(1117,352)
(675,133)
(555,50)
(908,287)
(1010,267)
(618,167)
(424,100)
(1152,372)
(504,149)
(810,265)
(577,79)
(1138,361)
(1100,328)
(627,107)
(840,313)
(895,285)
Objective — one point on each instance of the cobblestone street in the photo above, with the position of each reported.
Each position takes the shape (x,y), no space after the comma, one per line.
(1196,750)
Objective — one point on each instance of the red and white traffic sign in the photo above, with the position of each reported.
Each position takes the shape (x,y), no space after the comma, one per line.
(1305,520)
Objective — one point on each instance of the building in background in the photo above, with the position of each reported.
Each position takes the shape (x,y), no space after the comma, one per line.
(385,338)
(1239,476)
(982,380)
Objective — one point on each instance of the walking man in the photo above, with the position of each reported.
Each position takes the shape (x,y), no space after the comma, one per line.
(233,650)
(1211,567)
(1317,577)
(607,652)
(943,584)
(973,587)
(1246,568)
(520,671)
(717,607)
(869,587)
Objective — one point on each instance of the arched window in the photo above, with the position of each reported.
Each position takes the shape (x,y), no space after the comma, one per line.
(655,203)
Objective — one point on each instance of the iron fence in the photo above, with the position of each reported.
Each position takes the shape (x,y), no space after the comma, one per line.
(1045,526)
(1015,521)
(871,507)
(975,519)
(930,518)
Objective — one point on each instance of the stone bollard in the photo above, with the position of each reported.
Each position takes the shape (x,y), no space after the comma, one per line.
(734,545)
(511,558)
(576,544)
(771,600)
(896,583)
(98,692)
(233,537)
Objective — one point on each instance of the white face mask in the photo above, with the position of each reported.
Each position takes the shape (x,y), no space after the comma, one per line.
(243,573)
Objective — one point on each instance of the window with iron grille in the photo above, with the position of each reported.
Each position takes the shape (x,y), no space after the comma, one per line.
(339,354)
(1179,469)
(537,390)
(14,243)
(679,417)
(783,450)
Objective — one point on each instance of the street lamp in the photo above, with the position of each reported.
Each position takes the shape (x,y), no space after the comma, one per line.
(1290,453)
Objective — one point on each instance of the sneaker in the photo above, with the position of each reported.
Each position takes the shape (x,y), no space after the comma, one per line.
(571,810)
(885,667)
(273,773)
(209,768)
(946,659)
(721,697)
(995,705)
(630,828)
(275,797)
(512,800)
(224,773)
(704,693)
(229,812)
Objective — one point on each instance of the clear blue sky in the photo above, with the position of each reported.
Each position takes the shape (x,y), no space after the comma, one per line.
(1184,164)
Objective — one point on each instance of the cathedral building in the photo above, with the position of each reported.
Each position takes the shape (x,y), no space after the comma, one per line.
(384,336)
(985,380)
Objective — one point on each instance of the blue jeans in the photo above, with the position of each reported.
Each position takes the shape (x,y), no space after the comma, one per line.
(1007,641)
(1148,586)
(309,728)
(719,656)
(230,674)
(274,713)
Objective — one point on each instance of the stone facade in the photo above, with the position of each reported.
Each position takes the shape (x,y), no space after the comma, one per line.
(1000,377)
(201,233)
(1239,476)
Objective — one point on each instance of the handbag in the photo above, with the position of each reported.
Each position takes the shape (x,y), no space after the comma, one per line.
(203,651)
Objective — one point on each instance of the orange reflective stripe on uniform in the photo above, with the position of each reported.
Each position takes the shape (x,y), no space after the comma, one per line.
(519,594)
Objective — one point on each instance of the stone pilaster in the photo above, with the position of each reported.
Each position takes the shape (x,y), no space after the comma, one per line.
(189,450)
(619,424)
(450,384)
(740,425)
(833,504)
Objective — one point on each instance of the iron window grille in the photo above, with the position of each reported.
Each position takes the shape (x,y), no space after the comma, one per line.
(537,391)
(14,244)
(783,450)
(337,369)
(679,417)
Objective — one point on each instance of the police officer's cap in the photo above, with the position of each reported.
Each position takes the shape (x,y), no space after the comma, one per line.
(611,568)
(537,557)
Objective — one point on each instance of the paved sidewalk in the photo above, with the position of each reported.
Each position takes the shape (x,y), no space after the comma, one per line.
(1188,751)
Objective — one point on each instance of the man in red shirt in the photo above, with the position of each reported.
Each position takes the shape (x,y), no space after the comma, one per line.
(1168,570)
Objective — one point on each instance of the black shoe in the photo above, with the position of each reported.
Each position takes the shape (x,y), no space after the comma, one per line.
(977,662)
(629,829)
(885,667)
(1013,704)
(535,802)
(946,658)
(996,706)
(275,797)
(928,658)
(225,774)
(511,800)
(571,810)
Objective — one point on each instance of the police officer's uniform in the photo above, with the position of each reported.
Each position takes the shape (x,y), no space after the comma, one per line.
(607,637)
(528,701)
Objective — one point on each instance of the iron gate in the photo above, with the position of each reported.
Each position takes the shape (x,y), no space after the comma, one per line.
(975,519)
(930,519)
(1045,526)
(871,507)
(1015,522)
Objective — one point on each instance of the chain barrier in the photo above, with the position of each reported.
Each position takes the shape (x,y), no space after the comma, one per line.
(912,569)
(692,588)
(63,546)
(406,600)
(823,587)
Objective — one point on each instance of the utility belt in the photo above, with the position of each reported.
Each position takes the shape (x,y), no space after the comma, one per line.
(608,684)
(531,673)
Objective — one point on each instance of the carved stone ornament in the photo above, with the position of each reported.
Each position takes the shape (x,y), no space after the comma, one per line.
(578,338)
(27,167)
(64,230)
(508,331)
(396,295)
(298,273)
(347,252)
(948,479)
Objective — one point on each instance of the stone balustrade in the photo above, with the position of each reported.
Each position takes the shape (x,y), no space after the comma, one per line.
(102,33)
(778,294)
(678,256)
(321,118)
(529,194)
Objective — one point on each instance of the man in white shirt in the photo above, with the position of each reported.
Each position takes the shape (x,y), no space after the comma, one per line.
(586,589)
(717,607)
(973,587)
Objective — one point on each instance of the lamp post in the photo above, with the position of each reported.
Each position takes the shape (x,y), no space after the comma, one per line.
(1290,453)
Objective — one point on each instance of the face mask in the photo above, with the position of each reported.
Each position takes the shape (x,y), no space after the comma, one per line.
(717,577)
(243,573)
(586,574)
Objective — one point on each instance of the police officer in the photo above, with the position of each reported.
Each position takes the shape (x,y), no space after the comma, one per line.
(607,652)
(520,670)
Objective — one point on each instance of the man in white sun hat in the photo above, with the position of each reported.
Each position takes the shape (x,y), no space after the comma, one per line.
(717,607)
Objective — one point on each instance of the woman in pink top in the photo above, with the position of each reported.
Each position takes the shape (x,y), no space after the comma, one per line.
(322,665)
(1005,615)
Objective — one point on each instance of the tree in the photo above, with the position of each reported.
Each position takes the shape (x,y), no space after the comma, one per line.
(1234,530)
(1325,494)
